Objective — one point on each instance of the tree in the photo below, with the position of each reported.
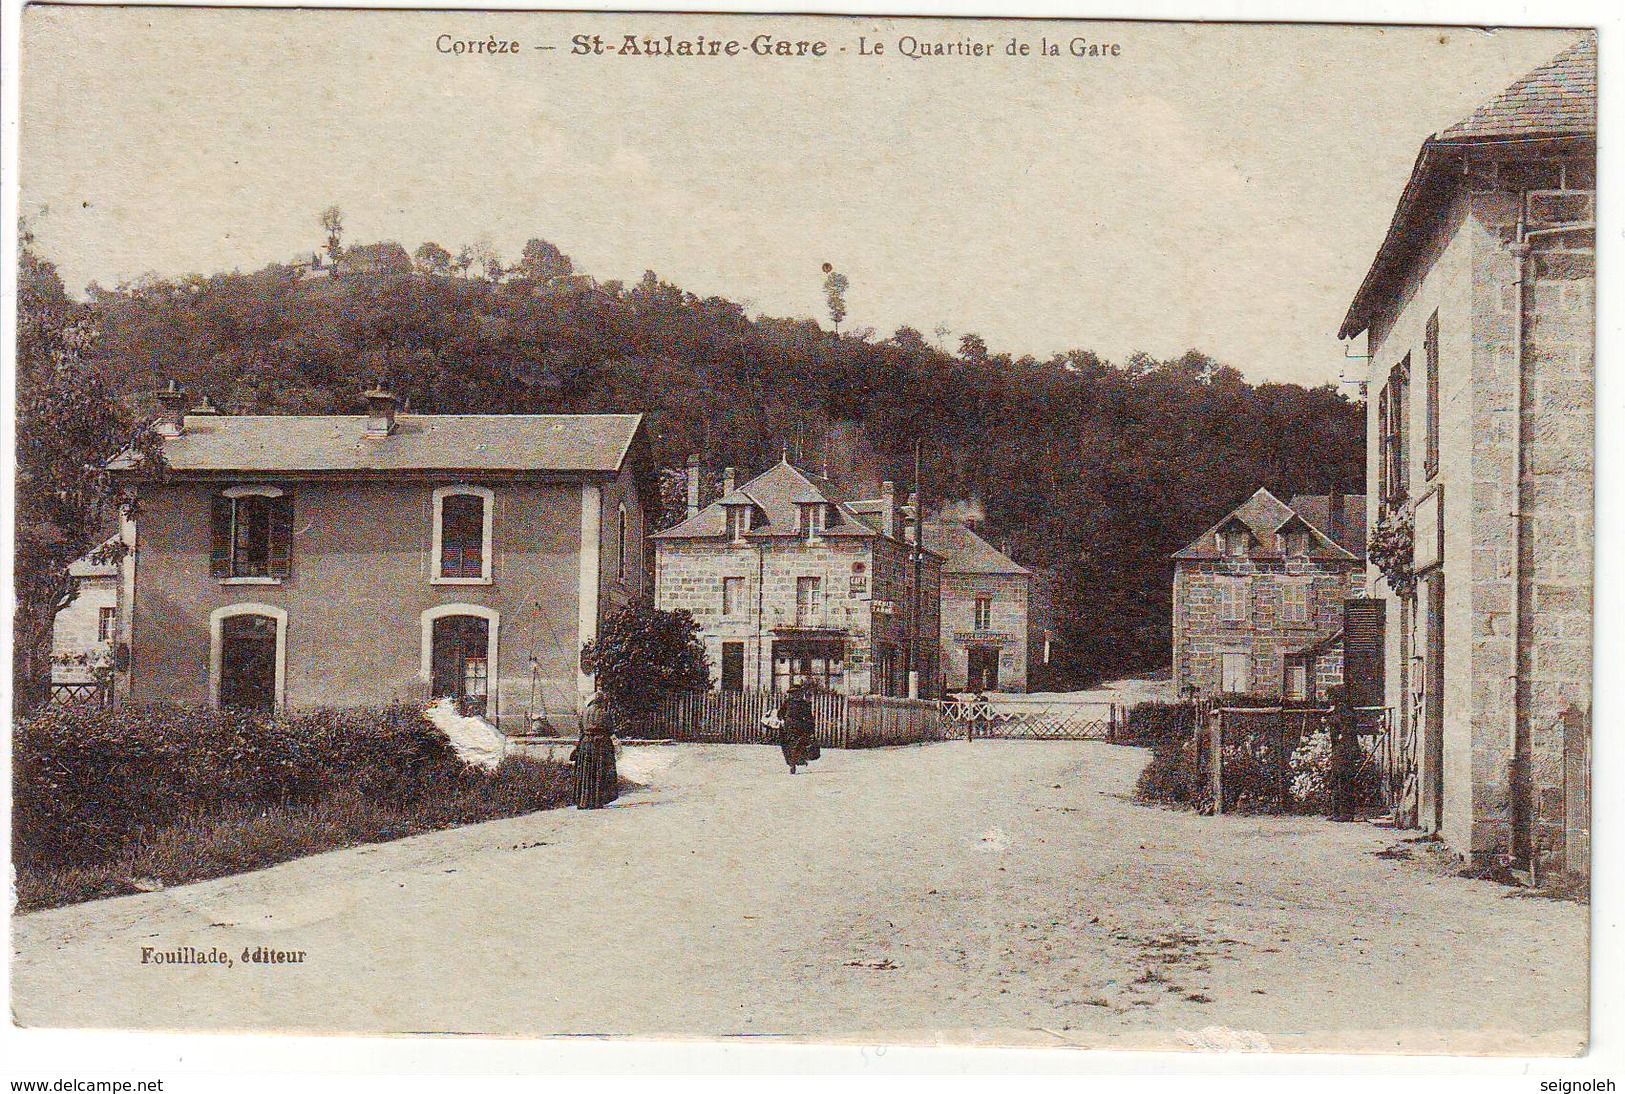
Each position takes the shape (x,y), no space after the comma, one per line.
(432,258)
(68,426)
(543,262)
(835,286)
(644,655)
(333,225)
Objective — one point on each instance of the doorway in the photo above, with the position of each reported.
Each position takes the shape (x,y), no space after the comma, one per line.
(460,662)
(248,662)
(1431,707)
(982,668)
(733,666)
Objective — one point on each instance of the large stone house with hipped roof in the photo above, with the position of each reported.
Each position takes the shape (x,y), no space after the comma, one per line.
(355,560)
(1479,318)
(1258,598)
(787,578)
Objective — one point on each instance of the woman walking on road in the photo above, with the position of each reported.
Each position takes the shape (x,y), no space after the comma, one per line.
(796,730)
(595,783)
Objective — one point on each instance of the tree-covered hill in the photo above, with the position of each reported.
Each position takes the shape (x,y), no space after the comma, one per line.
(1092,471)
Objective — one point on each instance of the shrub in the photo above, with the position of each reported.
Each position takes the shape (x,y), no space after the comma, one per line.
(88,784)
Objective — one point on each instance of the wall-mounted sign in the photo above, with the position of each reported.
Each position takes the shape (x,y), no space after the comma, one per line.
(883,607)
(859,584)
(1429,535)
(981,636)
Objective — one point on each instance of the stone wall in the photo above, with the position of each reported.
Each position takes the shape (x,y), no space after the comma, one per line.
(867,595)
(1201,636)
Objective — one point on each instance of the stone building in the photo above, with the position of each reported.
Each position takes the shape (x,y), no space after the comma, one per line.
(87,629)
(356,560)
(786,578)
(987,616)
(1478,312)
(1258,598)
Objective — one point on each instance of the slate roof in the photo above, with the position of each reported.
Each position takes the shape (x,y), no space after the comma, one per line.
(1349,533)
(284,443)
(965,552)
(776,493)
(1263,515)
(1556,101)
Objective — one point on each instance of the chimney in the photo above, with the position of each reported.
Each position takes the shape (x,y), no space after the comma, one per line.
(888,508)
(205,408)
(380,412)
(172,411)
(694,486)
(727,481)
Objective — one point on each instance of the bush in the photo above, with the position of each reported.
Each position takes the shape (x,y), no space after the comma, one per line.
(94,789)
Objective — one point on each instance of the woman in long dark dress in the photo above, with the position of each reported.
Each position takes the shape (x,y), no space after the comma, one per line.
(595,782)
(796,734)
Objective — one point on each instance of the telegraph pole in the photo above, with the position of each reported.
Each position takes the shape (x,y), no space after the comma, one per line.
(917,643)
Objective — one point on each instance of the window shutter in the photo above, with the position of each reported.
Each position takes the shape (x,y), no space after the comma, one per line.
(281,555)
(1364,650)
(220,511)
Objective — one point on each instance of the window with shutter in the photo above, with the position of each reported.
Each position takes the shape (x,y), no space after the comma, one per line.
(251,534)
(221,514)
(462,536)
(281,537)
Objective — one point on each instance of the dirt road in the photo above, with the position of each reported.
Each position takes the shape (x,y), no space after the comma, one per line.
(1002,891)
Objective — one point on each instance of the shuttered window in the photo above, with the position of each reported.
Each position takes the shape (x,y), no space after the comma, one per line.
(251,536)
(462,535)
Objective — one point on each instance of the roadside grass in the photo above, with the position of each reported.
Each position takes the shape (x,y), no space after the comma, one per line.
(373,777)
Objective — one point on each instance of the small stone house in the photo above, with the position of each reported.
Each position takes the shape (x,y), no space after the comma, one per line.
(1258,598)
(1479,318)
(356,560)
(87,629)
(789,579)
(987,617)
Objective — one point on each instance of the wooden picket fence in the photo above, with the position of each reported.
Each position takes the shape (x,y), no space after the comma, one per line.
(735,717)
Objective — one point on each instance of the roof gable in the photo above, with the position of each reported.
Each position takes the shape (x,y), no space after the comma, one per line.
(777,494)
(965,552)
(1263,515)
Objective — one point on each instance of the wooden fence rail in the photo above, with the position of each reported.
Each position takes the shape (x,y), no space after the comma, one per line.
(735,717)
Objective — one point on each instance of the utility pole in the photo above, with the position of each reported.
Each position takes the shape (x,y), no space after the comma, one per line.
(917,639)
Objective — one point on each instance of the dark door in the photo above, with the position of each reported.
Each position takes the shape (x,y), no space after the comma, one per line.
(982,670)
(460,668)
(248,662)
(733,666)
(1433,702)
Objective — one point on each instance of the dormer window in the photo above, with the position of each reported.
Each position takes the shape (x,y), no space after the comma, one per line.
(1234,542)
(1295,543)
(738,522)
(813,518)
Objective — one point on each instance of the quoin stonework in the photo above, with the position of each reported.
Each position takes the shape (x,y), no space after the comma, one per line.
(1478,312)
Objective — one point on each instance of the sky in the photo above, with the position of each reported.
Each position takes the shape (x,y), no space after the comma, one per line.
(1219,187)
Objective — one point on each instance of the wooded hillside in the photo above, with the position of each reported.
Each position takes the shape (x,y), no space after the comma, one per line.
(1091,470)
